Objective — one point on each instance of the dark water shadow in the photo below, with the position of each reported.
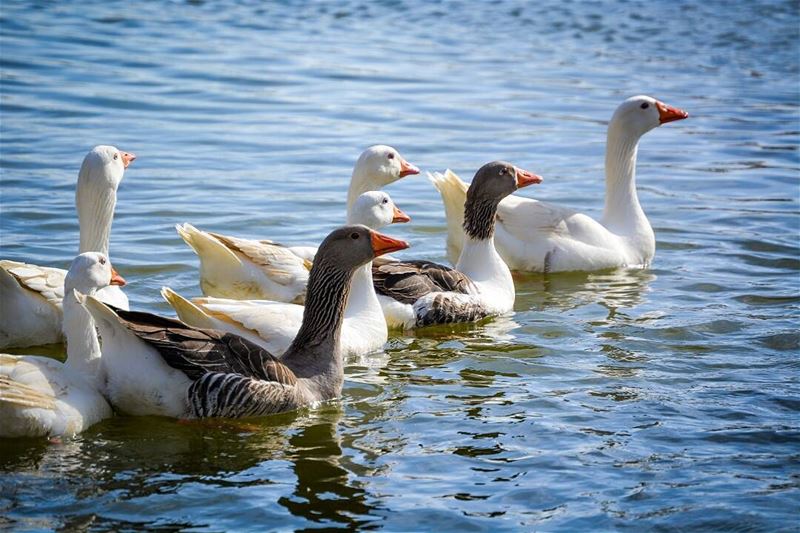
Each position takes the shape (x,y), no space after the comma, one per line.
(129,459)
(324,492)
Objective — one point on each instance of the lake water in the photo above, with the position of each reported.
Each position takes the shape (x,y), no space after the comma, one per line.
(664,399)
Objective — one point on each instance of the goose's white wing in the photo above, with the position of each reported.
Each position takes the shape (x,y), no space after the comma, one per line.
(43,397)
(541,237)
(30,304)
(245,269)
(274,323)
(46,281)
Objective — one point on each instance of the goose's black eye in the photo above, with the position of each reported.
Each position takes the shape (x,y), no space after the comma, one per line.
(385,201)
(354,235)
(645,105)
(502,171)
(390,156)
(115,156)
(102,260)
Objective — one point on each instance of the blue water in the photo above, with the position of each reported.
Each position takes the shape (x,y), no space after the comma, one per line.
(664,399)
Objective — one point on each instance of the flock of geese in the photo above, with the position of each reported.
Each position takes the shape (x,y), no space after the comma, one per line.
(276,321)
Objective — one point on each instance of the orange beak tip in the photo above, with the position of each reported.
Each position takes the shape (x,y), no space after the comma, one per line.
(127,159)
(525,178)
(383,244)
(407,169)
(400,217)
(668,113)
(116,279)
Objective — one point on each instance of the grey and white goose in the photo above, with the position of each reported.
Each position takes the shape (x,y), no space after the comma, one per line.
(422,293)
(159,366)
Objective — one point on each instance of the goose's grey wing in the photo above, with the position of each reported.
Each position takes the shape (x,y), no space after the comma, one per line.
(408,281)
(197,352)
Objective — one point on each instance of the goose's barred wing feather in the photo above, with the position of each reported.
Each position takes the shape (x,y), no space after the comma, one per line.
(235,396)
(449,308)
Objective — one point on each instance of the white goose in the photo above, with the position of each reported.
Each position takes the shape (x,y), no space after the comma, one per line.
(540,237)
(273,325)
(160,366)
(422,293)
(30,295)
(40,396)
(245,269)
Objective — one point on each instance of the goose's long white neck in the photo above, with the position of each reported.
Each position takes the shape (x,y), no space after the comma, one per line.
(360,182)
(95,204)
(623,214)
(363,301)
(83,347)
(480,261)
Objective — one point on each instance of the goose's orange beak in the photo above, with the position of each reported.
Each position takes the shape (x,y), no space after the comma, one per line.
(525,178)
(668,113)
(383,244)
(399,216)
(407,168)
(116,279)
(127,158)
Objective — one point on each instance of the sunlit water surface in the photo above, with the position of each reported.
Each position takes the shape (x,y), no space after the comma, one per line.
(659,399)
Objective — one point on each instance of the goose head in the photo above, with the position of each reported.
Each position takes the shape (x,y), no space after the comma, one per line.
(96,194)
(496,180)
(350,247)
(378,166)
(104,166)
(639,114)
(89,272)
(375,209)
(493,182)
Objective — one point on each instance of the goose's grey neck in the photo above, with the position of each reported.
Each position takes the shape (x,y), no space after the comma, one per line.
(479,218)
(315,349)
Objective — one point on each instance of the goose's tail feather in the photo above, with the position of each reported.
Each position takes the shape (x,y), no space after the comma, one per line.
(454,195)
(206,246)
(188,312)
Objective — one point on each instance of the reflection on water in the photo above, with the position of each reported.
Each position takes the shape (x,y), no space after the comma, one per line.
(127,462)
(622,288)
(324,493)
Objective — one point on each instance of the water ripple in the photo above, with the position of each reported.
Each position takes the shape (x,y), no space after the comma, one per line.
(647,399)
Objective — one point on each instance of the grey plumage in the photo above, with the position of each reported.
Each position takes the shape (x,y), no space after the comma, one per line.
(408,281)
(449,308)
(479,217)
(196,352)
(438,293)
(218,394)
(548,261)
